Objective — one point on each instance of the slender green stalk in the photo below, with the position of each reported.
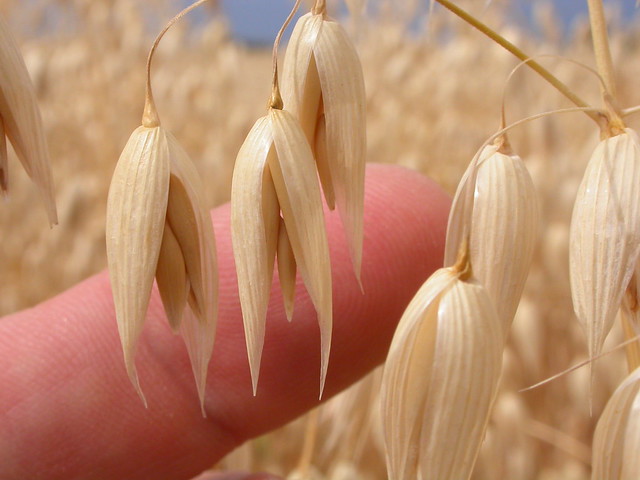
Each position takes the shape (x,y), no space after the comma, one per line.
(601,46)
(517,52)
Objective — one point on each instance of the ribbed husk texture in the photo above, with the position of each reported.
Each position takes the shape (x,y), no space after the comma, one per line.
(20,121)
(605,235)
(440,379)
(275,173)
(504,227)
(323,86)
(616,443)
(158,226)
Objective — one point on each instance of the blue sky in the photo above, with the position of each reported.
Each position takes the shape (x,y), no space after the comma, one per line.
(257,21)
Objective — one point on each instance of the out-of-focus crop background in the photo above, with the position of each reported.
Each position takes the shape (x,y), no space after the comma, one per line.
(432,100)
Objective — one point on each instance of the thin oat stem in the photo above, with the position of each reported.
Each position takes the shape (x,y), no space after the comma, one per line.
(510,47)
(601,46)
(319,7)
(475,165)
(503,121)
(150,114)
(463,263)
(276,99)
(522,121)
(582,364)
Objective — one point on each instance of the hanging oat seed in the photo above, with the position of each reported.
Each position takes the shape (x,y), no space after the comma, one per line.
(21,123)
(440,378)
(275,173)
(605,235)
(158,226)
(255,217)
(323,86)
(504,226)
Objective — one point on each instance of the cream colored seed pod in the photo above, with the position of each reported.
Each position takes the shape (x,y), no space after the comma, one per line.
(274,172)
(616,442)
(323,86)
(440,379)
(605,235)
(158,226)
(504,227)
(21,123)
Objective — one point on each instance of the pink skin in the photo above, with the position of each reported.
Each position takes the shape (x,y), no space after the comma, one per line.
(68,411)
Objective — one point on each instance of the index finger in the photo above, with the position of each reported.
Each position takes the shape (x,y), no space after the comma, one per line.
(67,409)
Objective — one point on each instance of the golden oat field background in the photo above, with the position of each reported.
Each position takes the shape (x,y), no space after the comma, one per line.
(432,101)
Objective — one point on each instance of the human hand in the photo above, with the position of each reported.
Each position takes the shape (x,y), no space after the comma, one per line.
(68,411)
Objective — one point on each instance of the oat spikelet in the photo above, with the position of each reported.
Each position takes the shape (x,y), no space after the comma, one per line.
(323,86)
(255,216)
(136,211)
(20,121)
(440,379)
(504,226)
(616,442)
(154,185)
(158,226)
(300,200)
(605,235)
(277,142)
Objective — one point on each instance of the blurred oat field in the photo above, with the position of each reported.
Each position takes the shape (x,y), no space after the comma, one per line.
(432,100)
